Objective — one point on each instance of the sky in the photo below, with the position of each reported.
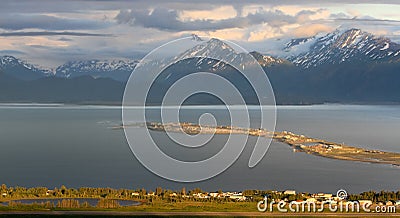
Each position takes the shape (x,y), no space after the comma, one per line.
(51,32)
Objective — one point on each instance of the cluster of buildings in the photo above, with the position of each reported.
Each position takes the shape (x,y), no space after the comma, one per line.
(317,198)
(291,137)
(238,196)
(323,147)
(191,128)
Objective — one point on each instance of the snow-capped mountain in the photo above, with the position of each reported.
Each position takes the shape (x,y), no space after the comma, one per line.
(297,42)
(267,60)
(119,70)
(222,53)
(349,66)
(21,70)
(213,48)
(214,56)
(351,46)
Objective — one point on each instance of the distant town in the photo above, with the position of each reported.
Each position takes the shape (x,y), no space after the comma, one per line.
(299,143)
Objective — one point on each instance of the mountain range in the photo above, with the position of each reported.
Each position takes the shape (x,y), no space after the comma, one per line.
(346,66)
(338,47)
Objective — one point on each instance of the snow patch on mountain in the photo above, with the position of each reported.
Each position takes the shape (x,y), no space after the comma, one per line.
(267,60)
(114,69)
(345,46)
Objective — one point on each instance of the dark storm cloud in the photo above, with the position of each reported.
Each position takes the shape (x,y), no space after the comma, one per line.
(34,6)
(340,15)
(168,19)
(47,33)
(79,6)
(25,21)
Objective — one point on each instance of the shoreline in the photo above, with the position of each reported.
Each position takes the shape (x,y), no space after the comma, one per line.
(299,143)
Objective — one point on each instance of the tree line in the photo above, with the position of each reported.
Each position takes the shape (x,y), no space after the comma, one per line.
(19,192)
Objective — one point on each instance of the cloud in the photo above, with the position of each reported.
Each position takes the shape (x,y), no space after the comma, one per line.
(65,39)
(217,13)
(264,32)
(234,34)
(11,52)
(48,33)
(169,20)
(311,30)
(304,16)
(38,6)
(339,16)
(367,19)
(353,12)
(34,21)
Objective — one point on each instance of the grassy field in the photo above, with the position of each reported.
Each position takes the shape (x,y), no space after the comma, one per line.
(188,206)
(164,208)
(161,206)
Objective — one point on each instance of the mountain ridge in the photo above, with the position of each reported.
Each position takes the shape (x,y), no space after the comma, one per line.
(118,70)
(20,69)
(351,45)
(333,48)
(342,66)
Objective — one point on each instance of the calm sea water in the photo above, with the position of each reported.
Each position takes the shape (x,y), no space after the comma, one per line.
(54,145)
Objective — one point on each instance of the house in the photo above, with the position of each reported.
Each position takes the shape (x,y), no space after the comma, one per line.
(323,196)
(135,194)
(289,192)
(214,194)
(49,191)
(201,195)
(173,194)
(389,203)
(229,193)
(238,197)
(150,194)
(397,202)
(4,194)
(336,147)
